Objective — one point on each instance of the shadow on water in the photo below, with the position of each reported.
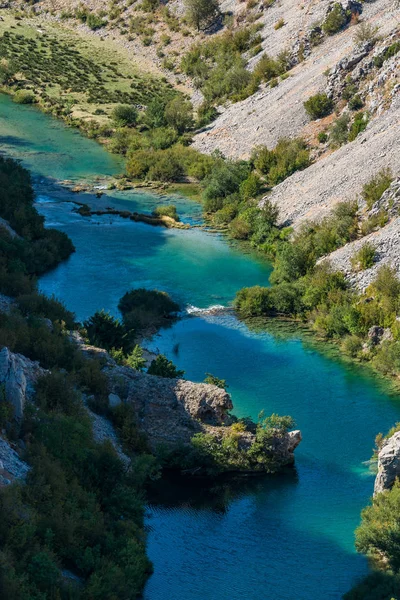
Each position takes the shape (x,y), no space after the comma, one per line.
(216,494)
(13,140)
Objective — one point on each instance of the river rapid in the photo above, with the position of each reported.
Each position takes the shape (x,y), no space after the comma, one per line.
(284,537)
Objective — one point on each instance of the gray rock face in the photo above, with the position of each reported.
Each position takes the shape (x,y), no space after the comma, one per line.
(170,411)
(388,464)
(11,466)
(18,375)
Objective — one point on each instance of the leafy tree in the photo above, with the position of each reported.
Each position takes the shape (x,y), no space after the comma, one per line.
(106,331)
(318,106)
(337,18)
(179,114)
(162,367)
(155,113)
(125,115)
(201,12)
(135,359)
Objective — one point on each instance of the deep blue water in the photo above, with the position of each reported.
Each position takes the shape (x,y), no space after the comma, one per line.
(283,537)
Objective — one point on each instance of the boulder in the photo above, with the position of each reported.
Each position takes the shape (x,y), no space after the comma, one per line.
(18,375)
(388,464)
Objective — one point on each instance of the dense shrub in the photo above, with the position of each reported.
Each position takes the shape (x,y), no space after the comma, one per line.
(373,190)
(143,308)
(24,97)
(288,156)
(162,367)
(106,331)
(318,106)
(166,211)
(364,258)
(201,13)
(125,116)
(336,19)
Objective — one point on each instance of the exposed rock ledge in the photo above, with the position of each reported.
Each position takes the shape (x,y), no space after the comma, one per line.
(169,411)
(388,464)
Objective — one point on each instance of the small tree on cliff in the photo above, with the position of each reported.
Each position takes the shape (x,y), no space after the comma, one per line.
(201,12)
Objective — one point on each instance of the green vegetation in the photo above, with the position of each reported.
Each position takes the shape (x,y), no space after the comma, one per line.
(218,67)
(366,32)
(288,156)
(374,189)
(24,97)
(40,249)
(201,13)
(318,106)
(212,380)
(166,211)
(388,53)
(364,258)
(143,308)
(228,454)
(125,116)
(162,367)
(336,20)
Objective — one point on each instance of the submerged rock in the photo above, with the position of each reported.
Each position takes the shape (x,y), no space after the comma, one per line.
(388,464)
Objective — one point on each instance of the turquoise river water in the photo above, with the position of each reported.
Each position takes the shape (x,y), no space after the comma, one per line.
(284,537)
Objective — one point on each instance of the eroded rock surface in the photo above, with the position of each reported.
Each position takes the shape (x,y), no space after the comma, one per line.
(18,375)
(11,466)
(388,464)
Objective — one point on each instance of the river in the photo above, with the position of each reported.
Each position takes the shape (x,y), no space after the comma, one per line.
(283,537)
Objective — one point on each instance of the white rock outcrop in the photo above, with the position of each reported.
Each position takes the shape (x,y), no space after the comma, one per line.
(388,464)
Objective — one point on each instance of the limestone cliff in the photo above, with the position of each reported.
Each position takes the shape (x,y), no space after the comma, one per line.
(388,464)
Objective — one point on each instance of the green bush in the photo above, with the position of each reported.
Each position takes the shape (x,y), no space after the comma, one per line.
(356,102)
(212,380)
(360,123)
(339,132)
(125,116)
(373,190)
(179,114)
(364,258)
(162,367)
(166,211)
(288,156)
(106,331)
(201,13)
(24,97)
(143,308)
(318,106)
(336,20)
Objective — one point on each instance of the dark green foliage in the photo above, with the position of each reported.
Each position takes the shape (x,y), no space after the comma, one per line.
(318,106)
(41,249)
(336,20)
(288,156)
(358,125)
(125,115)
(106,331)
(143,309)
(201,13)
(372,536)
(213,380)
(356,102)
(373,190)
(322,137)
(224,180)
(39,305)
(339,132)
(162,367)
